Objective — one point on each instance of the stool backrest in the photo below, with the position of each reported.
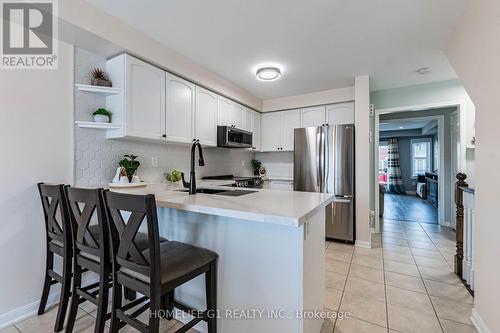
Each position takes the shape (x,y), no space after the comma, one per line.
(55,211)
(125,250)
(85,206)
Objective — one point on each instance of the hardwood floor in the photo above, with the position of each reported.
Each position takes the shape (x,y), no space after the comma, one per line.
(409,208)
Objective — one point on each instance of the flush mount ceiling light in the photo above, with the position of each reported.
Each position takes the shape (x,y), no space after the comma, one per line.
(423,70)
(268,73)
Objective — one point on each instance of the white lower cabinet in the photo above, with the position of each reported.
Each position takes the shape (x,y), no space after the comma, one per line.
(180,109)
(277,130)
(206,117)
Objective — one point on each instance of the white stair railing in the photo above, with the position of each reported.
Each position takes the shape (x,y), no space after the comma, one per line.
(468,237)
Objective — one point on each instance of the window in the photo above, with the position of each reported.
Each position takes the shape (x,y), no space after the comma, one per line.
(382,162)
(421,156)
(436,155)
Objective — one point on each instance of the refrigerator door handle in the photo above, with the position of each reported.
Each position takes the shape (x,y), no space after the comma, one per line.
(320,143)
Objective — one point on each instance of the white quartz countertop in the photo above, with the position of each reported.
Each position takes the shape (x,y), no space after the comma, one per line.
(263,205)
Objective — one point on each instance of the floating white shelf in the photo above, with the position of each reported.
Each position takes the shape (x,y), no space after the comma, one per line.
(471,146)
(98,89)
(91,124)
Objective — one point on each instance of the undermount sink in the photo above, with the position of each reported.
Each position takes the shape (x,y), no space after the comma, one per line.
(231,193)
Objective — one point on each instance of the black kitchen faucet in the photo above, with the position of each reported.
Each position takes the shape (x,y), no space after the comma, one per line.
(201,162)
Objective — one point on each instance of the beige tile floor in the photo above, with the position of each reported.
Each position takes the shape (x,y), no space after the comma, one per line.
(405,283)
(84,324)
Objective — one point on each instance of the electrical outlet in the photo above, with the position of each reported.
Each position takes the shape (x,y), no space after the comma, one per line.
(154,162)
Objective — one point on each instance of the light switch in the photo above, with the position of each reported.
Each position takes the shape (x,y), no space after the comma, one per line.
(154,162)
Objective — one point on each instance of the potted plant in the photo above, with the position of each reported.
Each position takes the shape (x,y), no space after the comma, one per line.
(256,164)
(102,115)
(99,78)
(173,176)
(130,165)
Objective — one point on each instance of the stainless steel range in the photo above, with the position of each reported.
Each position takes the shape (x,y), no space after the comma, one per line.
(251,182)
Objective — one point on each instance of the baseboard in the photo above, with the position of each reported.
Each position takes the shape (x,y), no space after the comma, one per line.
(365,244)
(23,312)
(29,310)
(445,224)
(478,322)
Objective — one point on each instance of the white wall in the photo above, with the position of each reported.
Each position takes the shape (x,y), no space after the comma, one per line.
(475,55)
(451,91)
(84,25)
(311,99)
(362,157)
(36,143)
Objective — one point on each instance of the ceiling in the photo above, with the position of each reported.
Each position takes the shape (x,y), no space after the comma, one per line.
(403,125)
(321,44)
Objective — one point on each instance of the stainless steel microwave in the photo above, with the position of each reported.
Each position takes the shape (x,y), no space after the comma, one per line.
(232,137)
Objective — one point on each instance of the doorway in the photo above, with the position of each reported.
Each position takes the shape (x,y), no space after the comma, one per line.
(428,176)
(408,172)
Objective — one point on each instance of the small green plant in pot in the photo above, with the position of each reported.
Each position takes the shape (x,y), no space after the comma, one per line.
(256,164)
(130,164)
(102,116)
(99,78)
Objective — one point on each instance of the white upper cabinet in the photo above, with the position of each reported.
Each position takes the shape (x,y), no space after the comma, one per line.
(140,108)
(237,115)
(224,109)
(155,105)
(206,117)
(340,113)
(277,130)
(290,120)
(313,116)
(271,131)
(232,114)
(246,123)
(180,109)
(256,124)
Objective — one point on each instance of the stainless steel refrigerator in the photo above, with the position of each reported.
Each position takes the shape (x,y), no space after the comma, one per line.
(324,162)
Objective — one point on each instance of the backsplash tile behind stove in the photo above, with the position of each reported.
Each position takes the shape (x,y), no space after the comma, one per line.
(96,158)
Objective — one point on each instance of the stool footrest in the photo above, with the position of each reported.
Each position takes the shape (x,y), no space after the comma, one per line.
(134,303)
(55,276)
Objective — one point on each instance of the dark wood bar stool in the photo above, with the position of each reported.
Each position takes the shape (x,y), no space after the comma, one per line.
(91,252)
(156,271)
(58,232)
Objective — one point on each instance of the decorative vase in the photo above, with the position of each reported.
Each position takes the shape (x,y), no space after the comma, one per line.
(101,118)
(135,179)
(100,83)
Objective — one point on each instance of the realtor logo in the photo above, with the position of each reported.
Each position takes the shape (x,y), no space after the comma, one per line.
(29,34)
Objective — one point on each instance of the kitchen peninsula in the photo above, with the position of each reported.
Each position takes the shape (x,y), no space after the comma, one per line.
(271,253)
